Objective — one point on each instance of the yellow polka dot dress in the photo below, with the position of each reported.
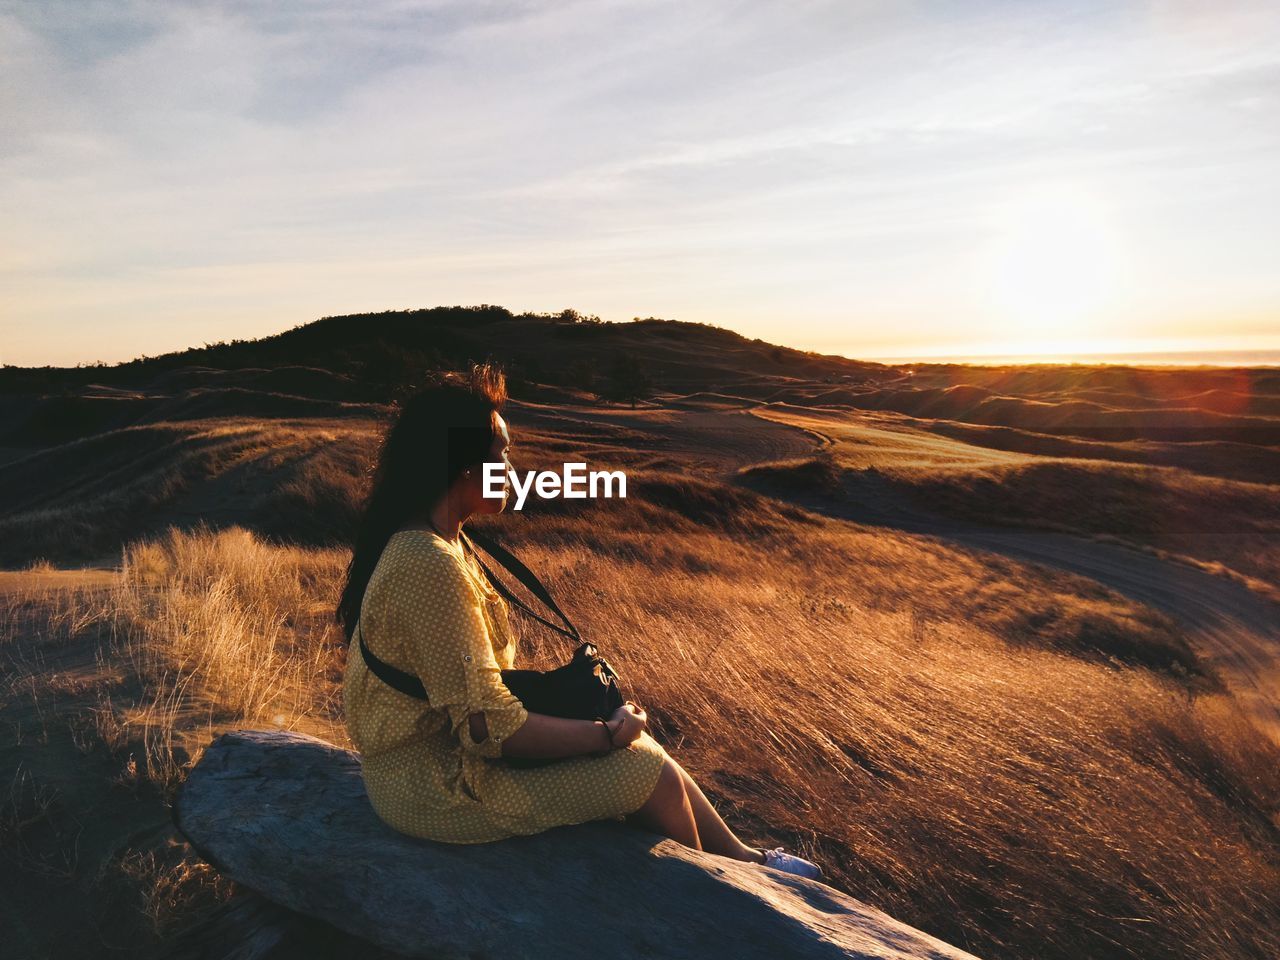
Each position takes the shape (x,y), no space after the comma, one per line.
(429,611)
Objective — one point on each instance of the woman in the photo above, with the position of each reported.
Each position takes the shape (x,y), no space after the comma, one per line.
(433,768)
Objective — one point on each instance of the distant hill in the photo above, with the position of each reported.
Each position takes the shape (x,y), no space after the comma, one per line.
(347,366)
(359,357)
(276,432)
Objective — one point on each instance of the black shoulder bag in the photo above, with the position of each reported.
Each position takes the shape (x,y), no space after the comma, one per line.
(585,688)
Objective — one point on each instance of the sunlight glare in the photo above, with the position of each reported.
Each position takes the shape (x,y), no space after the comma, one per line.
(1053,265)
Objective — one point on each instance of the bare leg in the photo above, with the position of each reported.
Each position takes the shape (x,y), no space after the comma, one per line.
(668,810)
(714,833)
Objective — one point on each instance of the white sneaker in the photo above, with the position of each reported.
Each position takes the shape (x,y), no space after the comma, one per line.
(790,863)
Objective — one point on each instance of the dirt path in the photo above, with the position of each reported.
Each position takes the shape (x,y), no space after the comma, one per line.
(1234,629)
(708,437)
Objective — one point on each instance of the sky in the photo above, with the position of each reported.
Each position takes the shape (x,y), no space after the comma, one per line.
(873,179)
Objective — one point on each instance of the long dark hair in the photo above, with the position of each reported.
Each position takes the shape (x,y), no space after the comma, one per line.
(434,435)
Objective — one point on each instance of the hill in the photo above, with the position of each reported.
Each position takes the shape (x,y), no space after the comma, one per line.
(997,645)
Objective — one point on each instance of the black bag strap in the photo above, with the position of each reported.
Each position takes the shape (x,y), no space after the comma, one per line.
(522,573)
(406,683)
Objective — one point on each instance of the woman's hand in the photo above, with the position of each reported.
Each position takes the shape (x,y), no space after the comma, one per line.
(634,721)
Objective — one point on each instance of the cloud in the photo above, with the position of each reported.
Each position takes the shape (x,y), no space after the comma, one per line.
(750,156)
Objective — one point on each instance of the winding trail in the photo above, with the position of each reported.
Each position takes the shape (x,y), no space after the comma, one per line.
(1236,631)
(714,438)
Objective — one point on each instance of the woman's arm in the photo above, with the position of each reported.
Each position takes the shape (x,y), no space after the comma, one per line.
(548,737)
(433,604)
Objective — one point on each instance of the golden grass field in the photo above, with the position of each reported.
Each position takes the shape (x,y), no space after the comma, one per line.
(1013,757)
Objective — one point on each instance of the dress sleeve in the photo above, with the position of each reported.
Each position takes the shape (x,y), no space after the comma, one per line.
(452,654)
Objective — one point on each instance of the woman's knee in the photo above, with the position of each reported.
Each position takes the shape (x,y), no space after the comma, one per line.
(669,790)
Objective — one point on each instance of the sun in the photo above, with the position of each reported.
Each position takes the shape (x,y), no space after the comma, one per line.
(1052,266)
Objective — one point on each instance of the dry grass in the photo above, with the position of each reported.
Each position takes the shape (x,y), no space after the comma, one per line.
(247,622)
(1225,526)
(81,500)
(864,698)
(127,683)
(1227,522)
(175,888)
(1019,762)
(1012,800)
(199,628)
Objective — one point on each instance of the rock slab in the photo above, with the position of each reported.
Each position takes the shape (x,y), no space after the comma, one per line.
(286,815)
